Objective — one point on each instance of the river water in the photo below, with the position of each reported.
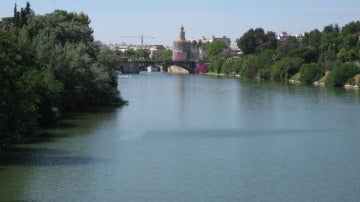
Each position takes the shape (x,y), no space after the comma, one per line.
(197,138)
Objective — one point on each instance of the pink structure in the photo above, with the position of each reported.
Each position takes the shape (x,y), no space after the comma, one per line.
(182,47)
(201,68)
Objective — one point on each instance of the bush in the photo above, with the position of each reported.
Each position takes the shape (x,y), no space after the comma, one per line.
(341,73)
(265,74)
(238,63)
(201,68)
(308,53)
(285,68)
(215,65)
(250,67)
(227,67)
(309,73)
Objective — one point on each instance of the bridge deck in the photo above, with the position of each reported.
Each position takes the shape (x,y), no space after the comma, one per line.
(134,67)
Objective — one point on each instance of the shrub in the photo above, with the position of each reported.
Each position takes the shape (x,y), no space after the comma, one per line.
(341,73)
(215,65)
(250,67)
(309,73)
(201,68)
(227,67)
(285,68)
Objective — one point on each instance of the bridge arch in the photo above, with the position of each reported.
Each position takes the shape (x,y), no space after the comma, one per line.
(134,67)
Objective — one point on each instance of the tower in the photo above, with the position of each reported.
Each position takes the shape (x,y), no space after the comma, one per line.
(182,47)
(182,33)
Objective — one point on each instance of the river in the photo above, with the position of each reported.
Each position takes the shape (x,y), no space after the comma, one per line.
(197,138)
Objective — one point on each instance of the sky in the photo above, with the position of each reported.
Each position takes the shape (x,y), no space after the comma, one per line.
(160,20)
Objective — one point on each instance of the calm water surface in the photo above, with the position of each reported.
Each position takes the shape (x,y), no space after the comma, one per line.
(197,138)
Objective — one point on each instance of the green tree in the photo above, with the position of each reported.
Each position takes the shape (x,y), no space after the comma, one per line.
(215,48)
(16,18)
(334,29)
(341,73)
(250,67)
(215,65)
(256,41)
(163,55)
(289,45)
(131,53)
(270,41)
(237,66)
(351,28)
(309,73)
(142,54)
(312,38)
(25,93)
(350,41)
(265,60)
(328,58)
(48,65)
(309,53)
(351,55)
(228,67)
(283,70)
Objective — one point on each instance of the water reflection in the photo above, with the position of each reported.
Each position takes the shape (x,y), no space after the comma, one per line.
(25,156)
(197,138)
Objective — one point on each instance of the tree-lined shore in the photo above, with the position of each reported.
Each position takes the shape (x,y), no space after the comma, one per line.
(50,65)
(334,52)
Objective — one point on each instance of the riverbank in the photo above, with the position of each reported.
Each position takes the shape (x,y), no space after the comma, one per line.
(296,80)
(221,74)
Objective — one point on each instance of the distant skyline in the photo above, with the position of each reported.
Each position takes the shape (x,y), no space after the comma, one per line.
(161,19)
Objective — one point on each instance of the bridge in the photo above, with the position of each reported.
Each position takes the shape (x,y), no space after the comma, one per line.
(134,67)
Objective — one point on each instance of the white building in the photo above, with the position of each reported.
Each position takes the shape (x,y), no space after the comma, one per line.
(206,40)
(283,36)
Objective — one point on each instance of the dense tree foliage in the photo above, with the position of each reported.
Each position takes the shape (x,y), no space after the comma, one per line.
(50,64)
(215,48)
(163,55)
(285,68)
(216,65)
(26,95)
(256,41)
(334,49)
(310,72)
(341,73)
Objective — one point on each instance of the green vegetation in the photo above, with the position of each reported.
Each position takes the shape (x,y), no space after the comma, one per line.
(215,48)
(341,73)
(139,54)
(256,41)
(50,65)
(163,55)
(285,68)
(310,72)
(335,50)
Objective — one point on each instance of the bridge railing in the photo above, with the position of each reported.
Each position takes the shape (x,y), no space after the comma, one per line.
(138,65)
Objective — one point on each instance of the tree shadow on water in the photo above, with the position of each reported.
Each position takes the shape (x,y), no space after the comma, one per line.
(18,201)
(23,156)
(29,152)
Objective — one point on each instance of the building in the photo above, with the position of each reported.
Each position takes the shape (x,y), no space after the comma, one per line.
(283,36)
(154,49)
(205,40)
(181,48)
(224,39)
(191,49)
(235,52)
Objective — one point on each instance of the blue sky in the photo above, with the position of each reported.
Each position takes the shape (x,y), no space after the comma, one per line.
(162,19)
